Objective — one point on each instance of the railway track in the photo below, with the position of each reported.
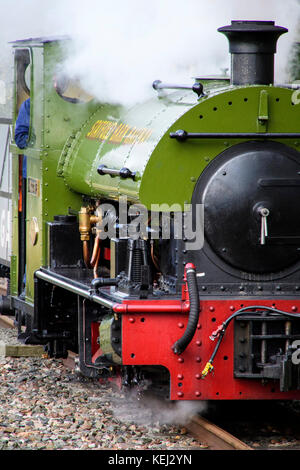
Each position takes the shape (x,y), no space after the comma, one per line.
(213,436)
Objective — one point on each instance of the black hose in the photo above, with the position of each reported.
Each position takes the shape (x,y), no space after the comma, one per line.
(181,344)
(104,281)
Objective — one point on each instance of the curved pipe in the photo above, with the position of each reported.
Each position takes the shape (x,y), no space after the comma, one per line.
(86,254)
(95,254)
(181,344)
(93,263)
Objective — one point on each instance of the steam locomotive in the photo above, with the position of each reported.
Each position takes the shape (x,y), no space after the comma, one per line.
(160,242)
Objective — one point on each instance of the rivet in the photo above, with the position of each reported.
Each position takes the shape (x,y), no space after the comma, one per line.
(203,288)
(180,325)
(198,343)
(232,307)
(198,359)
(180,376)
(197,393)
(198,376)
(131,320)
(180,359)
(212,309)
(294,308)
(180,394)
(278,288)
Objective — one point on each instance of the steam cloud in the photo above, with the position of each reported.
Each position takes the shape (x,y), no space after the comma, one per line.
(118,49)
(152,411)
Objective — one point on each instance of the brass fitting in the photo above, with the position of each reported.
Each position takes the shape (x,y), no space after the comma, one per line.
(85,222)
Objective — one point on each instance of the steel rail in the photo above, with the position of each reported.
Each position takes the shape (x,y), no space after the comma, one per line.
(213,436)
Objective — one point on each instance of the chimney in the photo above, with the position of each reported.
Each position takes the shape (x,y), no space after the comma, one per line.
(252,45)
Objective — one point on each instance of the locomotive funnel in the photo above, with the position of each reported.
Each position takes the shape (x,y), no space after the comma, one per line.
(252,45)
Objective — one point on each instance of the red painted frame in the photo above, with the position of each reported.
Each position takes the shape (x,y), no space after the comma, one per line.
(147,339)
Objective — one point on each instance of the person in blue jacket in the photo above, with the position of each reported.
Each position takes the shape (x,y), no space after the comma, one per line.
(21,139)
(22,130)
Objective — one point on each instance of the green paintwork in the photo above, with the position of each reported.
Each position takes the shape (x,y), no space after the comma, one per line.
(65,161)
(168,170)
(52,120)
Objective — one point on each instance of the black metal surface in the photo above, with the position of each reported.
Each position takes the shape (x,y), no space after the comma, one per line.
(22,238)
(182,135)
(87,314)
(137,277)
(263,348)
(118,254)
(5,308)
(65,248)
(55,319)
(231,193)
(252,45)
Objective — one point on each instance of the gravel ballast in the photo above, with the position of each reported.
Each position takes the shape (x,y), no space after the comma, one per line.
(43,405)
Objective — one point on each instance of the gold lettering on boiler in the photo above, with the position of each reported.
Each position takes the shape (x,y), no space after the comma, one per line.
(115,133)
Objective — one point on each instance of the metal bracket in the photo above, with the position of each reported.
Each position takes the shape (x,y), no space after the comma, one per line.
(123,172)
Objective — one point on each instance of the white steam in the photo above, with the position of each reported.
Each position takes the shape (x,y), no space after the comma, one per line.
(120,48)
(152,411)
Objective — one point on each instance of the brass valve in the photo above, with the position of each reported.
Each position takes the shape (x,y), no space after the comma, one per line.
(86,219)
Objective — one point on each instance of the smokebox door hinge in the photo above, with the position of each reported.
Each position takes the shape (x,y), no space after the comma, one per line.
(263,111)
